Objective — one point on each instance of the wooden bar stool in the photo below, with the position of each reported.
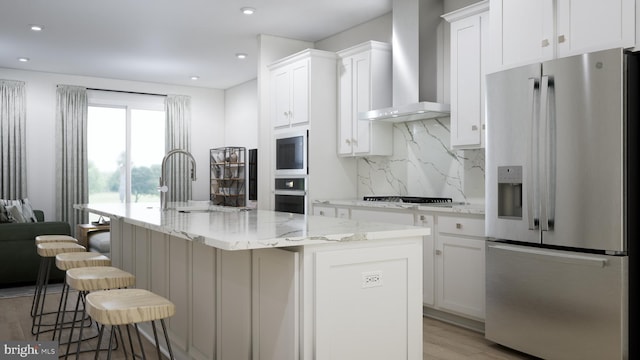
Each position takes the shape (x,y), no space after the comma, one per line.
(126,307)
(72,260)
(94,278)
(47,252)
(41,239)
(55,238)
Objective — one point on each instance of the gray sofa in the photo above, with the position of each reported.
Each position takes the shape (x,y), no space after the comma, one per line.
(19,261)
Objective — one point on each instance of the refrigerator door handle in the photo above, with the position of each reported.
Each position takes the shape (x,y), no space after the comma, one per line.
(550,161)
(543,156)
(534,88)
(563,257)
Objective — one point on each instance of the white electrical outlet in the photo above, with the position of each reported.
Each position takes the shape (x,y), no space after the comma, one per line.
(371,279)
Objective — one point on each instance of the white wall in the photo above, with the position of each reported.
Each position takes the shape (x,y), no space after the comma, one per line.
(207,118)
(241,115)
(378,29)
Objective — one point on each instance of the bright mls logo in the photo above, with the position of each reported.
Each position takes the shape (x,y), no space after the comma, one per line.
(41,350)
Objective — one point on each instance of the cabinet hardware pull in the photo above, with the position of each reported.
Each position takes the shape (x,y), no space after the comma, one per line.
(484,126)
(458,226)
(438,252)
(545,43)
(561,39)
(474,127)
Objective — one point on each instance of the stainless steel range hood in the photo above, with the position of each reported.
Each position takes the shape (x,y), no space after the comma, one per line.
(410,112)
(415,70)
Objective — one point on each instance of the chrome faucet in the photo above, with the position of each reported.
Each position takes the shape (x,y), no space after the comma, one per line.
(163,175)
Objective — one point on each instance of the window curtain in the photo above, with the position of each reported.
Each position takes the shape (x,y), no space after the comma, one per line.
(13,180)
(178,136)
(71,154)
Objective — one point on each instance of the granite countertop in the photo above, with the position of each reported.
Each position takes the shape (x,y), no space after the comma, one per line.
(472,209)
(241,229)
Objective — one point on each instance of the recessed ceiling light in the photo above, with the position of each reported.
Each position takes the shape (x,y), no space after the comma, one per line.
(23,59)
(248,10)
(195,77)
(35,27)
(241,56)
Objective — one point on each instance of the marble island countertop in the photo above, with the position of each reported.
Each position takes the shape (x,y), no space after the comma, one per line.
(242,229)
(476,209)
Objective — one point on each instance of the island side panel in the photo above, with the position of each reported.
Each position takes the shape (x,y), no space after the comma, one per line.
(363,300)
(202,312)
(276,304)
(233,294)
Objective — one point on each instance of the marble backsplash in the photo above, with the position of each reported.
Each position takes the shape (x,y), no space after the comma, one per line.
(422,164)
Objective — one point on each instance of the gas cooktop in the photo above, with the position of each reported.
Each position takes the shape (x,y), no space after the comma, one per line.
(411,199)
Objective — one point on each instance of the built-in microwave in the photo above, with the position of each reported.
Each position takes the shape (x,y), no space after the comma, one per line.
(291,153)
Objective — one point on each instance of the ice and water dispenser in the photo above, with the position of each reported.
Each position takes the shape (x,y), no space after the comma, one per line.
(510,192)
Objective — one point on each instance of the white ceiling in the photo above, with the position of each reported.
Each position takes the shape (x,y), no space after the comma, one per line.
(165,41)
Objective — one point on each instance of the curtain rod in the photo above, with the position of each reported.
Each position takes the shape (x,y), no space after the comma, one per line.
(127,92)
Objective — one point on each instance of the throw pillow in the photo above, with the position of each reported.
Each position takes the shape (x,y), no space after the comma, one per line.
(27,211)
(15,214)
(4,215)
(24,206)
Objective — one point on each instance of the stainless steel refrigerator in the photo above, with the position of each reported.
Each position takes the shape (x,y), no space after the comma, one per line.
(561,172)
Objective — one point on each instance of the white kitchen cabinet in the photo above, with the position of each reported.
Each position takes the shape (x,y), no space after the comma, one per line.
(364,78)
(295,87)
(460,266)
(290,94)
(453,257)
(383,215)
(469,49)
(529,31)
(320,210)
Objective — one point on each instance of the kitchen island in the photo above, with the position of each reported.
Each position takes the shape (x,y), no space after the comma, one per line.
(254,284)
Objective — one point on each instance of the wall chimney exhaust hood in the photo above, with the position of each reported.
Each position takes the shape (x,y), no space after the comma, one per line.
(415,63)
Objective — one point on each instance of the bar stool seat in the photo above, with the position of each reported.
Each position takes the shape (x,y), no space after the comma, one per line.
(95,278)
(51,249)
(55,238)
(130,306)
(72,260)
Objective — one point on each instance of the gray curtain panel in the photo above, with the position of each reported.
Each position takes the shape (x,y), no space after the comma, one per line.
(71,153)
(178,136)
(13,158)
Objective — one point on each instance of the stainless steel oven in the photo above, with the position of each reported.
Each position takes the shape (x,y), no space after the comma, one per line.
(291,153)
(291,194)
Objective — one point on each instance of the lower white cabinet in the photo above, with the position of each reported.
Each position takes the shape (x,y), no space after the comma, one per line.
(460,265)
(453,256)
(329,211)
(388,216)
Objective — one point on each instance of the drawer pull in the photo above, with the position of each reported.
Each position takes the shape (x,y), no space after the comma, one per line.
(458,226)
(438,252)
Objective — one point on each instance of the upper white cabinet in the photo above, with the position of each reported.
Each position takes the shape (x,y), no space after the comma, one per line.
(364,78)
(469,49)
(298,88)
(529,31)
(290,104)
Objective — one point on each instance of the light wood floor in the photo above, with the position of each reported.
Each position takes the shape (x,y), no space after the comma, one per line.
(441,341)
